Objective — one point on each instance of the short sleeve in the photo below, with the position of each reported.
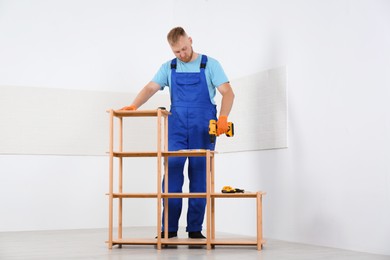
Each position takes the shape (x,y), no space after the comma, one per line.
(217,74)
(162,76)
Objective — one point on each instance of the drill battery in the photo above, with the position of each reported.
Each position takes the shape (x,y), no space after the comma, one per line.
(213,130)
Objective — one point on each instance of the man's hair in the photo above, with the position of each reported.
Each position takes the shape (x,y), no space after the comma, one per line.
(174,35)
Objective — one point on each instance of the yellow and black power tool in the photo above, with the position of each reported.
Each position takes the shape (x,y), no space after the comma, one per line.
(213,130)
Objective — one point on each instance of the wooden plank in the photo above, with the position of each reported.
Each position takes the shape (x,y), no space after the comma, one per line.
(208,205)
(187,153)
(159,174)
(236,195)
(212,199)
(139,113)
(138,241)
(259,224)
(134,195)
(184,195)
(111,181)
(120,180)
(186,241)
(155,195)
(135,154)
(183,241)
(236,241)
(153,241)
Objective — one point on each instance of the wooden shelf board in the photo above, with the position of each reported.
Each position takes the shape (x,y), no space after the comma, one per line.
(153,241)
(138,113)
(135,195)
(247,242)
(135,154)
(183,241)
(236,241)
(183,195)
(189,153)
(186,241)
(196,152)
(236,195)
(135,241)
(154,195)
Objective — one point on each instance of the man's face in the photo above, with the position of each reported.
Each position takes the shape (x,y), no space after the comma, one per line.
(183,49)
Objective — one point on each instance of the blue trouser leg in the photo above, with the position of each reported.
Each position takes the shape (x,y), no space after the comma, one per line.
(175,184)
(196,206)
(177,140)
(198,139)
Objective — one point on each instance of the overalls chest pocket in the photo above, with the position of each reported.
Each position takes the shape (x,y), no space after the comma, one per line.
(188,79)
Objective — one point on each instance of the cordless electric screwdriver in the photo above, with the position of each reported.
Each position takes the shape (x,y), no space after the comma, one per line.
(213,130)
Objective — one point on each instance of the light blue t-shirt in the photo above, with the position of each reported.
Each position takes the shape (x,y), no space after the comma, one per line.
(215,75)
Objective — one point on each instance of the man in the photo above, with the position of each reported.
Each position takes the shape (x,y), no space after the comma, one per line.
(192,79)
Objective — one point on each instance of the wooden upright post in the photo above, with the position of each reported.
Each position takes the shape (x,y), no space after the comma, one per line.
(208,198)
(259,221)
(120,181)
(159,154)
(111,175)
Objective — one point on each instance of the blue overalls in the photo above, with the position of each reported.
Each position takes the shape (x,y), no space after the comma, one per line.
(191,111)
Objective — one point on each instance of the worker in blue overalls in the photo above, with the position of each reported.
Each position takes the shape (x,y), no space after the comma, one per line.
(193,79)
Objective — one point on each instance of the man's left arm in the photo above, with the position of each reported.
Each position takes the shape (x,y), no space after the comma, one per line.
(226,105)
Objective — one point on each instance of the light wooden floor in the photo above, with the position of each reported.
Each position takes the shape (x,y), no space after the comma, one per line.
(90,244)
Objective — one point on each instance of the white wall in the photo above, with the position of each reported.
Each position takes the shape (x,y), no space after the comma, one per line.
(96,45)
(330,187)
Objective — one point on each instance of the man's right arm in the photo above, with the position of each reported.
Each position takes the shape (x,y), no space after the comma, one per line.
(146,92)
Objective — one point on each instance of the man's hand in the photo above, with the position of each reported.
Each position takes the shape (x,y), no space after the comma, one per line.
(147,92)
(132,107)
(222,125)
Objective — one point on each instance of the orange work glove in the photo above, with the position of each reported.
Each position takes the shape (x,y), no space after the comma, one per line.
(222,125)
(132,107)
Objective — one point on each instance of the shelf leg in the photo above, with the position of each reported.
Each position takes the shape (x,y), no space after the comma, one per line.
(159,179)
(208,199)
(259,221)
(212,199)
(110,187)
(120,180)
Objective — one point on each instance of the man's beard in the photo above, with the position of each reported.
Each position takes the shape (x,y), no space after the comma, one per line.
(188,58)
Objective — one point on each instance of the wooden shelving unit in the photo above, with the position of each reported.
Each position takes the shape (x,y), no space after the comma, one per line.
(162,154)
